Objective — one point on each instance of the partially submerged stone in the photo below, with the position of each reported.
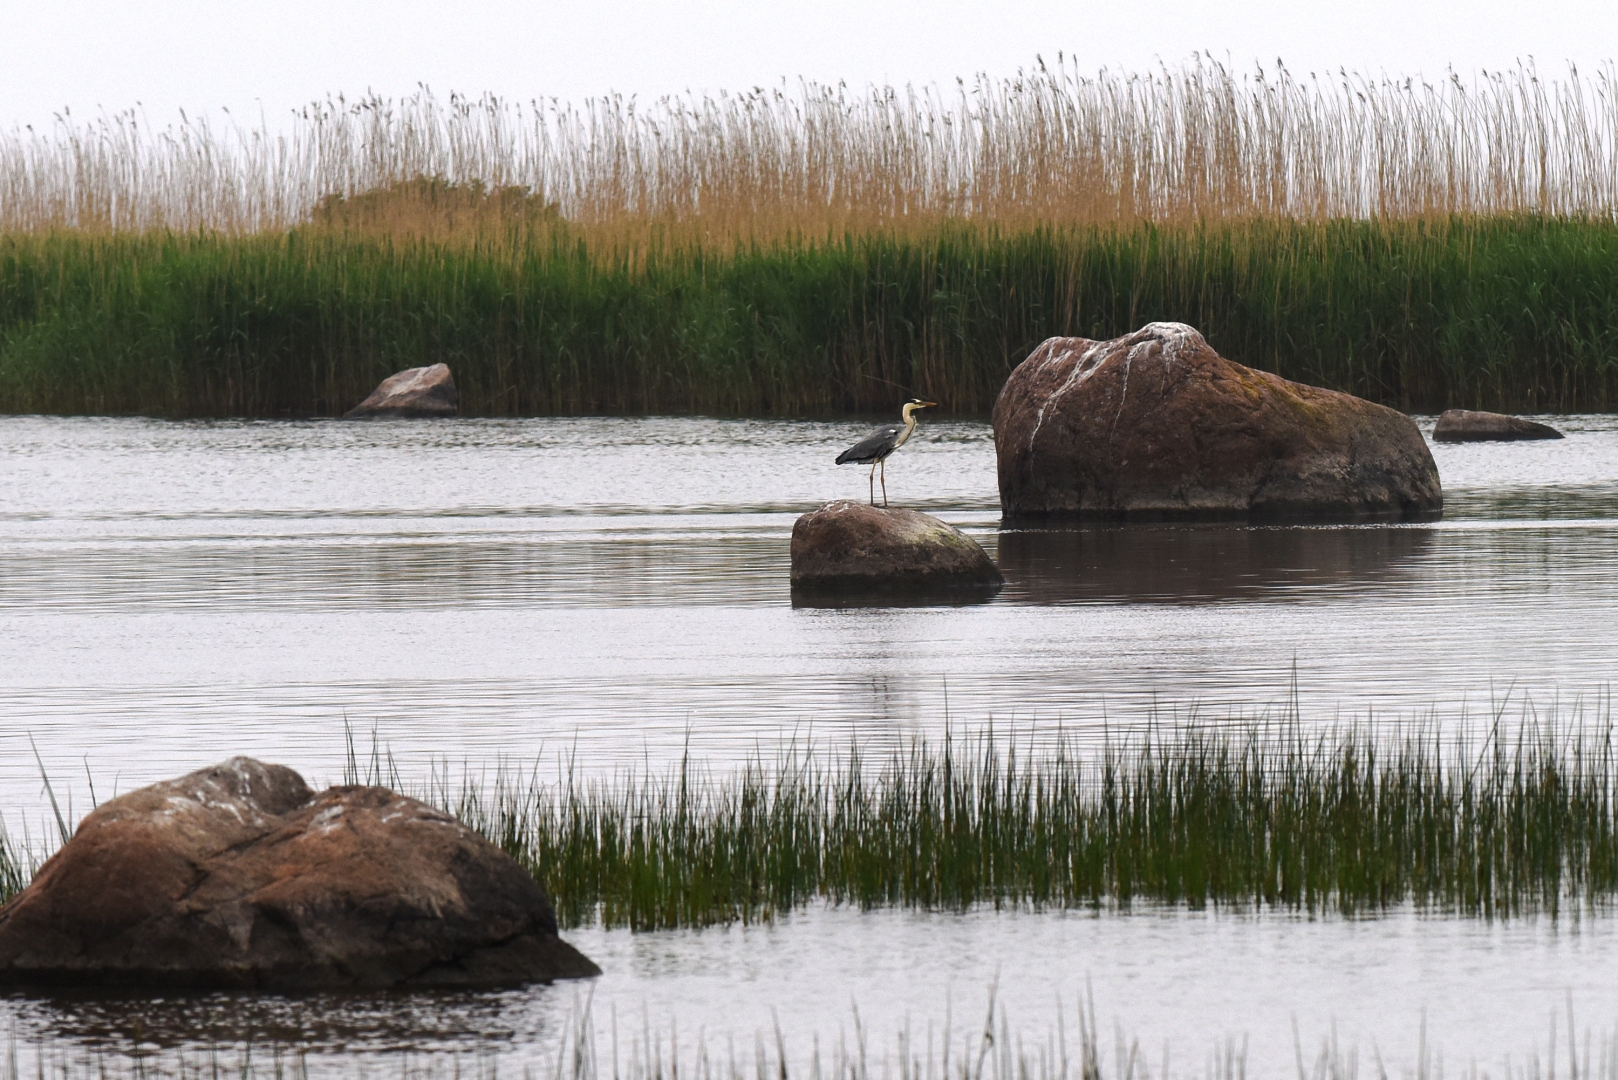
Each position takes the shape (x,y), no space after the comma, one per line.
(1156,425)
(852,545)
(415,393)
(1464,425)
(239,876)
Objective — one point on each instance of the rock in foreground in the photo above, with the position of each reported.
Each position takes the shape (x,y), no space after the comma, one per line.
(850,545)
(1157,425)
(415,393)
(239,876)
(1463,425)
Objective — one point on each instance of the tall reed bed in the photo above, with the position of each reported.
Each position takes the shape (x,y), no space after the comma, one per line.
(1519,313)
(1052,145)
(1345,821)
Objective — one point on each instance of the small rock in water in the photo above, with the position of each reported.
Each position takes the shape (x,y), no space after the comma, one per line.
(851,545)
(1464,425)
(415,393)
(239,876)
(1157,425)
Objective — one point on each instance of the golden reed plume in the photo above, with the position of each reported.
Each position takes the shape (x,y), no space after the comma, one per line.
(1051,146)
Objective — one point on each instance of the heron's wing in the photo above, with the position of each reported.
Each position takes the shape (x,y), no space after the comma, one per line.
(878,444)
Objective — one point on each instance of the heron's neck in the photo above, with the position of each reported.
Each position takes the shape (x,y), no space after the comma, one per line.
(910,425)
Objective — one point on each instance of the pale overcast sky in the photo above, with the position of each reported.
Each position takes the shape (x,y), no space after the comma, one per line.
(277,54)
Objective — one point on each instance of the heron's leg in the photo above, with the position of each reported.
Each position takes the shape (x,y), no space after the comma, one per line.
(873,485)
(884,483)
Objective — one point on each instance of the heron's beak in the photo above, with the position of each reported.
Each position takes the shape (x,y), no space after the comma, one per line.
(926,404)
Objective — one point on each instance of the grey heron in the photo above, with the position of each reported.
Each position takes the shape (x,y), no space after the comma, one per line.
(873,450)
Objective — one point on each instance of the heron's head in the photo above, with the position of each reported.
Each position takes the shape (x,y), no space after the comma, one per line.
(916,403)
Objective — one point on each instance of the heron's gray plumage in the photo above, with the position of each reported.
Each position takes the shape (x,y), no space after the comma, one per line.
(874,447)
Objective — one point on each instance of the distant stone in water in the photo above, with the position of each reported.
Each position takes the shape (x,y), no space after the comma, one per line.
(1464,425)
(239,876)
(852,545)
(1157,425)
(415,393)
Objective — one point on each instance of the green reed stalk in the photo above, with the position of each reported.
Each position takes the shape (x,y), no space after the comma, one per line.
(1517,313)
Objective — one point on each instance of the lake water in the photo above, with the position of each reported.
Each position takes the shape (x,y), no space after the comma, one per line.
(616,589)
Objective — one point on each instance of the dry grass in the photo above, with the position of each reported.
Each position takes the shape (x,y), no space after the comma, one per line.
(1052,146)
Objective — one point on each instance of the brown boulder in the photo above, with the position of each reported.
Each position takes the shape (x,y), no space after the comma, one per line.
(1464,425)
(853,545)
(415,393)
(1157,425)
(239,876)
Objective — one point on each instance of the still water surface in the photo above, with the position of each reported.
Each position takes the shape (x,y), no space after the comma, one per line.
(477,591)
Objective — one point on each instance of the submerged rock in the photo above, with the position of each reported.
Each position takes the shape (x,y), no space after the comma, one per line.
(239,876)
(1157,425)
(1464,425)
(850,545)
(415,393)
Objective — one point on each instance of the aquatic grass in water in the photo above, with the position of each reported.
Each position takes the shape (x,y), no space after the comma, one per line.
(1348,821)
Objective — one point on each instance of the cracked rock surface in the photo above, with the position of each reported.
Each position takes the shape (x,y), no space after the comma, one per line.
(1157,425)
(239,876)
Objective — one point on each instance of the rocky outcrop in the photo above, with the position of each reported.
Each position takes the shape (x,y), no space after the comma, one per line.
(415,393)
(1463,425)
(239,876)
(850,545)
(1157,425)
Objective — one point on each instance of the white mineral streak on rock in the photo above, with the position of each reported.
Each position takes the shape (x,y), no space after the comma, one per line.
(327,820)
(1174,339)
(417,377)
(1083,368)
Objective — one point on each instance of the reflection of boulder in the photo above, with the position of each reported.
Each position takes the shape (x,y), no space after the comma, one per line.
(1193,563)
(1463,425)
(1157,425)
(240,876)
(853,546)
(415,393)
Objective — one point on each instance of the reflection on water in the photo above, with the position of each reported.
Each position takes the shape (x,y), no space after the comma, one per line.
(1479,991)
(1191,564)
(373,1023)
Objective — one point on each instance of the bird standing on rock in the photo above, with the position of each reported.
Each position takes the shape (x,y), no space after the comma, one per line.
(873,450)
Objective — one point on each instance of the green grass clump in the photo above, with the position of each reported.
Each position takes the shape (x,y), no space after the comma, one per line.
(1343,822)
(1508,312)
(15,869)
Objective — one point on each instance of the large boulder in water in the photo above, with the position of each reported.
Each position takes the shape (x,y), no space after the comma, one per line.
(850,545)
(415,393)
(239,876)
(1156,424)
(1464,425)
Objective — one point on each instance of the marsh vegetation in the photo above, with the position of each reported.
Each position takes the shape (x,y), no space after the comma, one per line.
(1348,820)
(819,250)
